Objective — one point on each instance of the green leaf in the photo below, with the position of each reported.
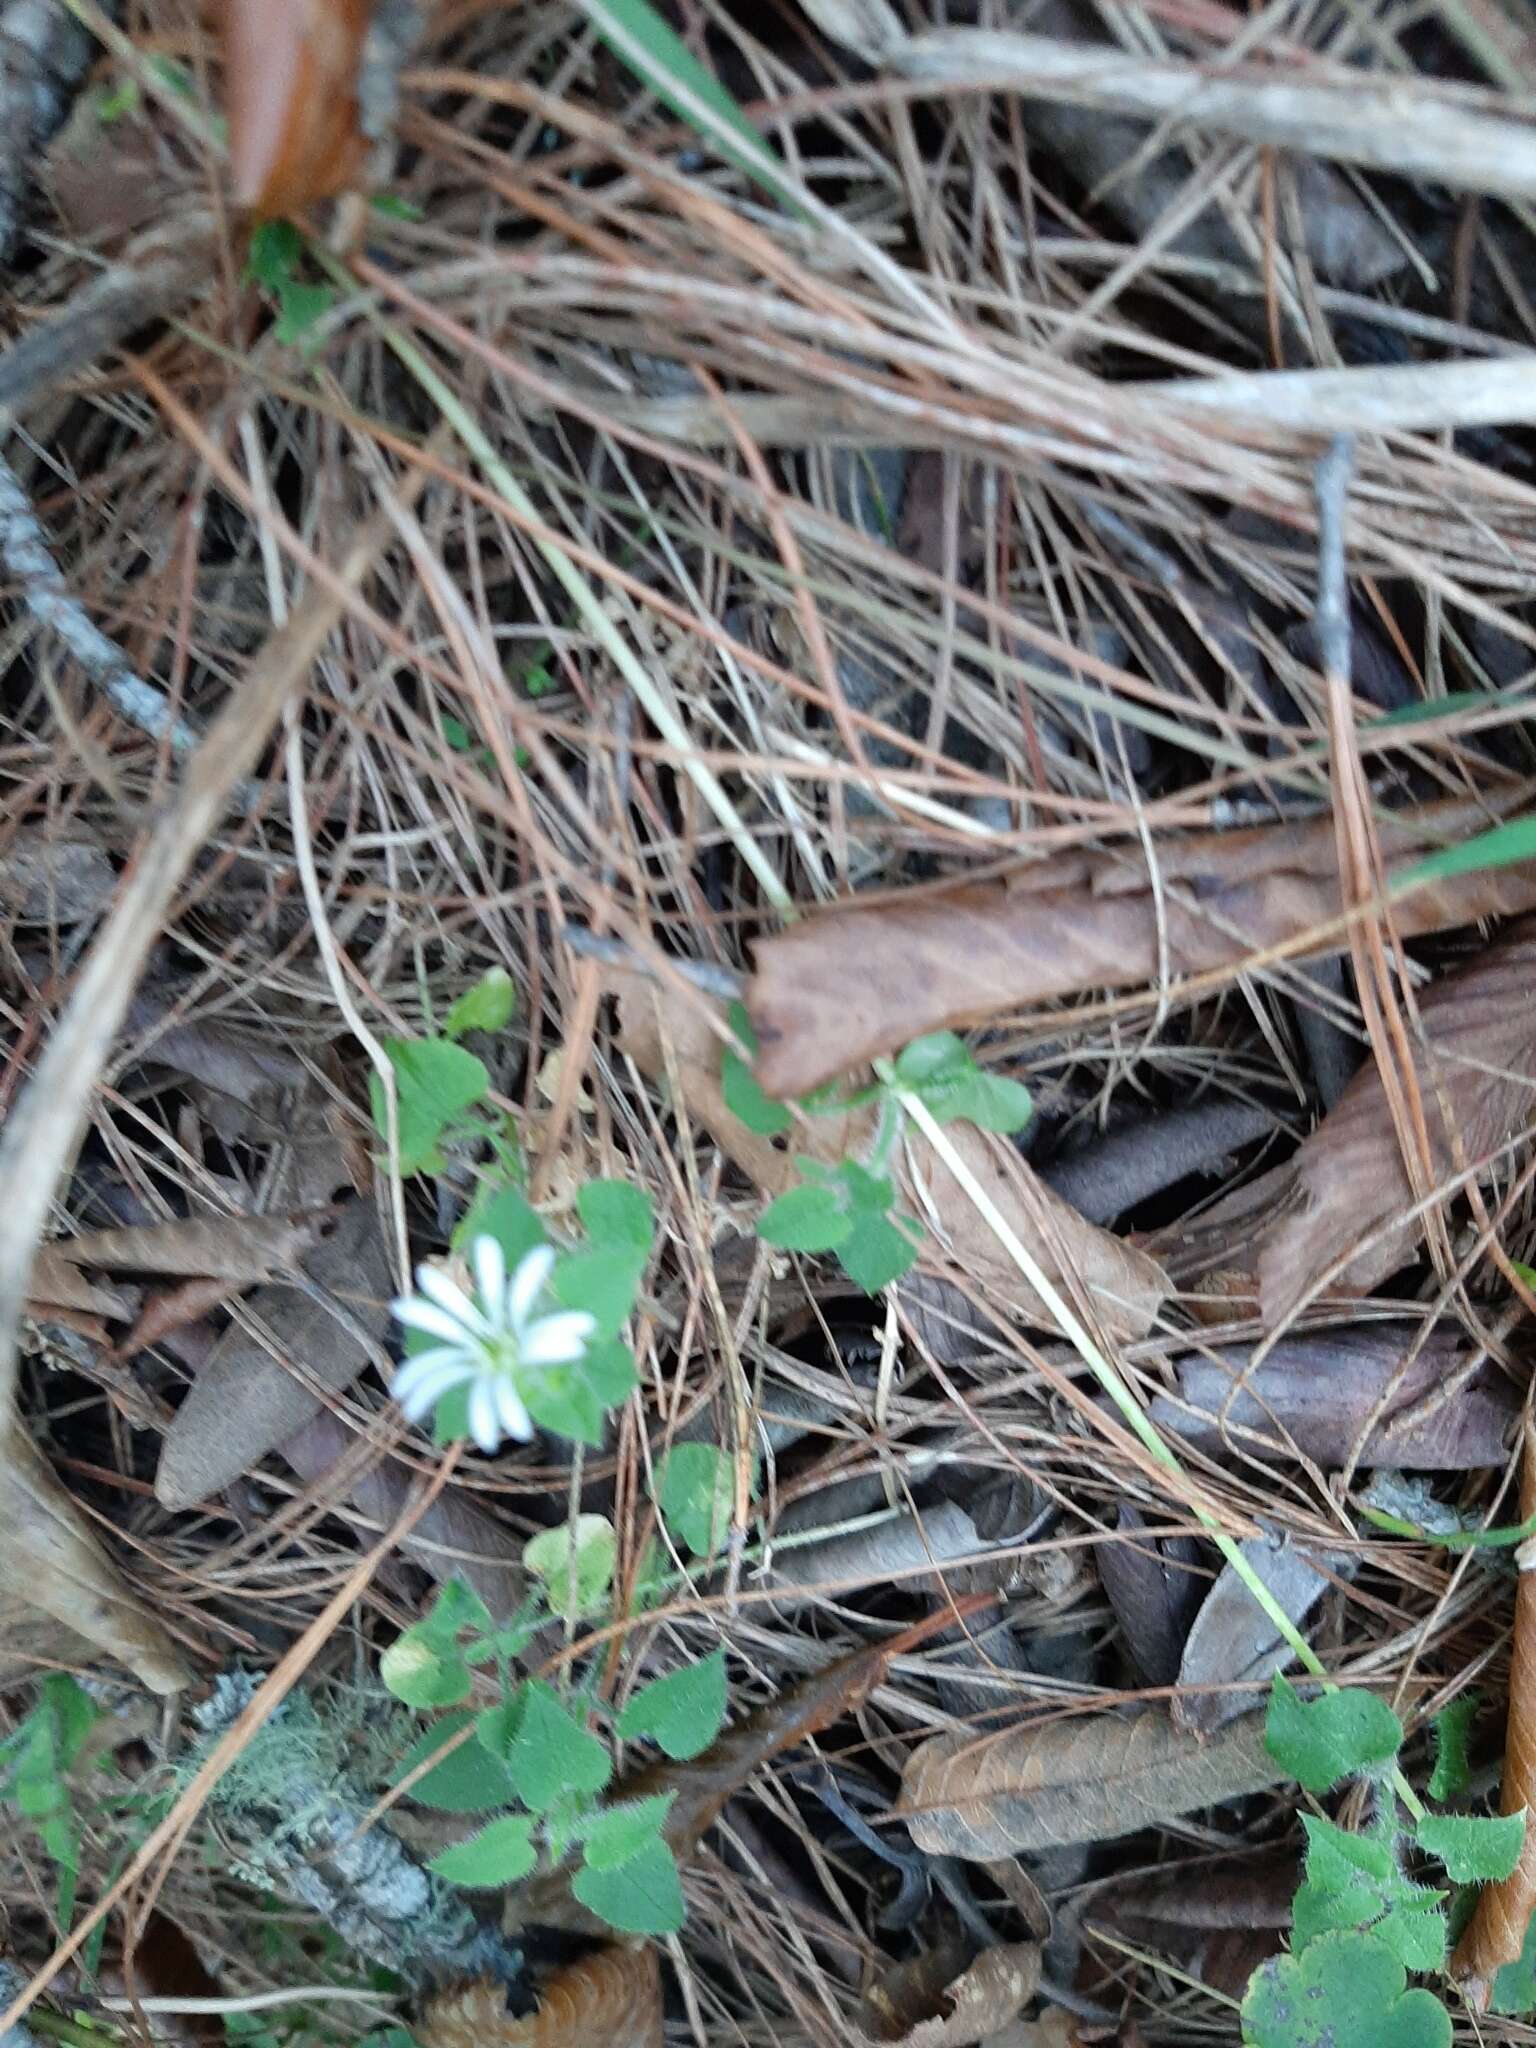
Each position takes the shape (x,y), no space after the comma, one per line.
(941,1070)
(1475,1848)
(422,1673)
(435,1082)
(561,1400)
(1346,1991)
(658,55)
(682,1712)
(500,1854)
(743,1098)
(469,1780)
(552,1754)
(806,1219)
(604,1282)
(643,1895)
(617,1833)
(616,1212)
(1452,1729)
(300,308)
(488,1006)
(696,1487)
(457,1606)
(1321,1741)
(1498,847)
(586,1546)
(878,1250)
(1514,1988)
(508,1217)
(72,1713)
(1353,1881)
(274,253)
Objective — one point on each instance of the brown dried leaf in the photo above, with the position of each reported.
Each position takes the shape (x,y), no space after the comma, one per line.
(918,2006)
(1496,1933)
(50,1555)
(453,1539)
(1126,1286)
(1048,1785)
(932,958)
(609,1999)
(1476,1067)
(1312,1395)
(244,1250)
(1234,1646)
(245,1401)
(1154,1591)
(57,1282)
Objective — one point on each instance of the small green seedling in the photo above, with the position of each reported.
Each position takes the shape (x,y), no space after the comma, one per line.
(440,1085)
(35,1762)
(534,1763)
(276,262)
(849,1208)
(1360,1922)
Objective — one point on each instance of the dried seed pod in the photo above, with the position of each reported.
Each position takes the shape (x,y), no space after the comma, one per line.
(291,86)
(612,1997)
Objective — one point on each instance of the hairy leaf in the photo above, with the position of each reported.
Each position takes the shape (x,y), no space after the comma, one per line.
(1323,1740)
(1346,1989)
(683,1712)
(1475,1848)
(642,1895)
(501,1853)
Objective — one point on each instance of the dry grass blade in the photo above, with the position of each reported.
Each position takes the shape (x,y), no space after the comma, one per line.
(1053,1783)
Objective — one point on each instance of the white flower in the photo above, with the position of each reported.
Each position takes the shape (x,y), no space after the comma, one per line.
(489,1340)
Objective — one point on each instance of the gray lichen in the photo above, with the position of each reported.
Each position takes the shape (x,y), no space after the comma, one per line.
(292,1815)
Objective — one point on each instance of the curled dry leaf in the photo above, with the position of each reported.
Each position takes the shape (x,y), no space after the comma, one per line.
(1312,1395)
(915,2006)
(1153,1585)
(1476,1068)
(609,1999)
(1233,1647)
(57,1282)
(246,1399)
(1496,1933)
(1126,1286)
(930,958)
(50,1555)
(1053,1783)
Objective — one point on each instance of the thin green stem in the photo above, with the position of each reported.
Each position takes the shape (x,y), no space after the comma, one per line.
(1114,1385)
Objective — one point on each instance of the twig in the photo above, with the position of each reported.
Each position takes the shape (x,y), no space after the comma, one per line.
(1351,117)
(50,602)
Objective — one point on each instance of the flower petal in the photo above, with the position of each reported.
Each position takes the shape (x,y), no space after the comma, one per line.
(528,1282)
(417,1314)
(515,1420)
(442,1288)
(490,1268)
(484,1422)
(421,1384)
(556,1340)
